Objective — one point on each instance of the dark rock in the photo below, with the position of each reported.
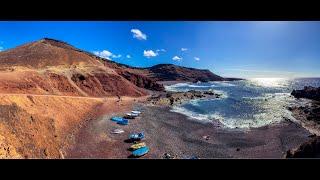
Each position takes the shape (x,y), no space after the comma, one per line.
(312,135)
(308,92)
(310,149)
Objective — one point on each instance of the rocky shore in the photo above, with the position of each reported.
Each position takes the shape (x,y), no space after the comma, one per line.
(308,92)
(309,117)
(175,98)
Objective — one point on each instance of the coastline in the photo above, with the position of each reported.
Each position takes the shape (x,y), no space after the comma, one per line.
(181,137)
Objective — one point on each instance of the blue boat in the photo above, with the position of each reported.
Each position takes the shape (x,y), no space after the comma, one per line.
(136,136)
(117,119)
(141,151)
(123,122)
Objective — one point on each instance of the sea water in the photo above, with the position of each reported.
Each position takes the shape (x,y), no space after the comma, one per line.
(244,104)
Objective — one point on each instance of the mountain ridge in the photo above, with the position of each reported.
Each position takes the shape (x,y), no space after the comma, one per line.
(56,67)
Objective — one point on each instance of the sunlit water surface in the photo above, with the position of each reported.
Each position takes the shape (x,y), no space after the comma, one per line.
(246,103)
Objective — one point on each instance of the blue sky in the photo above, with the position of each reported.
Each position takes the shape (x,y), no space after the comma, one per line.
(233,49)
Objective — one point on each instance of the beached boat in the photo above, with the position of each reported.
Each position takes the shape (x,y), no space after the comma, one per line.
(117,131)
(117,119)
(136,136)
(141,151)
(137,146)
(132,114)
(123,122)
(136,112)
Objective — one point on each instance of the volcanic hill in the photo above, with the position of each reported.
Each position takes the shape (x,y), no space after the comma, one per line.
(50,66)
(49,89)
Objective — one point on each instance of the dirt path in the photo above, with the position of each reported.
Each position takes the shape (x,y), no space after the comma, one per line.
(49,95)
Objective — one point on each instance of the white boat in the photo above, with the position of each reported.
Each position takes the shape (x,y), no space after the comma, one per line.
(132,114)
(117,131)
(136,112)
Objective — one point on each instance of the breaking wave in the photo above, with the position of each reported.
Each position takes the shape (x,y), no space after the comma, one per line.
(243,104)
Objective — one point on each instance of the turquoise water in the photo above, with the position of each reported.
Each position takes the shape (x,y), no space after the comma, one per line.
(244,104)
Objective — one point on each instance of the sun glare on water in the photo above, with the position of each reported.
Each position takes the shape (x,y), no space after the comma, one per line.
(270,82)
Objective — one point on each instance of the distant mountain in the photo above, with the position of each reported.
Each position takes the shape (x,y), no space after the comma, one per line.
(51,66)
(170,72)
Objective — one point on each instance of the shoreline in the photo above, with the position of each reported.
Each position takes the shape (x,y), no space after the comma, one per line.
(181,137)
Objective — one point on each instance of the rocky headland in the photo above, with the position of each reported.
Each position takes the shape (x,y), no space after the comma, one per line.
(309,117)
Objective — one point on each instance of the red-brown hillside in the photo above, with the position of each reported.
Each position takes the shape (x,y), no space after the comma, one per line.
(53,67)
(50,66)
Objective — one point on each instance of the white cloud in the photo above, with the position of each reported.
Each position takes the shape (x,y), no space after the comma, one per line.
(196,58)
(106,54)
(177,58)
(138,34)
(162,50)
(1,48)
(128,56)
(116,56)
(149,53)
(184,49)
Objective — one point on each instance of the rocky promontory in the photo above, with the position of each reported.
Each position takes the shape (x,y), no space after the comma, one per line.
(175,98)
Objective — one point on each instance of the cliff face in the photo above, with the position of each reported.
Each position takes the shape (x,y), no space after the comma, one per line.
(136,76)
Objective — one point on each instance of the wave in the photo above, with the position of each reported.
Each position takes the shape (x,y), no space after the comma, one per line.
(201,86)
(189,86)
(258,120)
(222,84)
(192,115)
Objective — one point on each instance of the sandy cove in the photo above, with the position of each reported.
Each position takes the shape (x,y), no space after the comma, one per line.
(181,137)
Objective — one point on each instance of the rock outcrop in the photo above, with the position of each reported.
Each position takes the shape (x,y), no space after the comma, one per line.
(310,149)
(309,117)
(174,98)
(308,92)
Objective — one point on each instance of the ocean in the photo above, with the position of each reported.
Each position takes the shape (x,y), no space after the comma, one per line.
(244,104)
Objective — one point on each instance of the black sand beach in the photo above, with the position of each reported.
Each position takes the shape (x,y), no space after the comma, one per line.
(181,137)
